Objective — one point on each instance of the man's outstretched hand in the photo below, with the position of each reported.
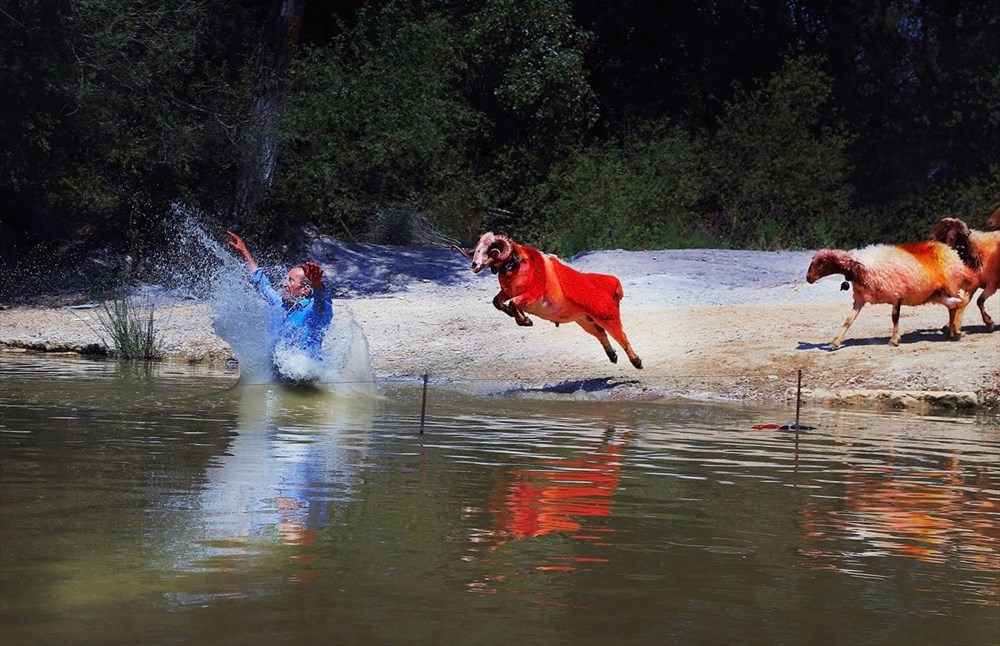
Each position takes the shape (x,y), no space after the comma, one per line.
(237,243)
(314,274)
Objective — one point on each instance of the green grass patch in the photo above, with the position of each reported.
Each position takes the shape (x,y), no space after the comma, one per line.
(131,327)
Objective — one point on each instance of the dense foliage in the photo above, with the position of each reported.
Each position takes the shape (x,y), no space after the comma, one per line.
(571,124)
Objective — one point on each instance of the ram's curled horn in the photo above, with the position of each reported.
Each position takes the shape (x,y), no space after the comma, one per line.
(465,252)
(501,249)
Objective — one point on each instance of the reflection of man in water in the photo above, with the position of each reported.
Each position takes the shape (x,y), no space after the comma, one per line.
(302,311)
(291,468)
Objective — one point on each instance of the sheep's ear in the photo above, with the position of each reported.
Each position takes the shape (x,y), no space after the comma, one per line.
(854,267)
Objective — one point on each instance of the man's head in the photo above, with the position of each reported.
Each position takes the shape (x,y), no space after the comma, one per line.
(296,286)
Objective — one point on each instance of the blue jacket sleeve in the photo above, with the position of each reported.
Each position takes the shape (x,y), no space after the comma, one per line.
(260,281)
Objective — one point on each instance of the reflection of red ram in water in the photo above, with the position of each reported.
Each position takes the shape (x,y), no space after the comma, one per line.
(941,516)
(563,496)
(559,498)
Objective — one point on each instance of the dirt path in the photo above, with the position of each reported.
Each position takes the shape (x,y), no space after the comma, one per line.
(708,324)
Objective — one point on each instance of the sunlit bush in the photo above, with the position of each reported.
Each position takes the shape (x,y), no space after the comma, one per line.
(642,194)
(780,162)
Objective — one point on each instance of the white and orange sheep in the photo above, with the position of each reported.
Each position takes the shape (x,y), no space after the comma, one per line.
(980,251)
(539,284)
(906,274)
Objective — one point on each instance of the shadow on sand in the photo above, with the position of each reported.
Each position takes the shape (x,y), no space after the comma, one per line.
(933,335)
(364,269)
(597,384)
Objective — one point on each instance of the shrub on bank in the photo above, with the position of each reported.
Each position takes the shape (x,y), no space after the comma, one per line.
(131,328)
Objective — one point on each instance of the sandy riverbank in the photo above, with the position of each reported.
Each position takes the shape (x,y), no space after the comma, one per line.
(734,325)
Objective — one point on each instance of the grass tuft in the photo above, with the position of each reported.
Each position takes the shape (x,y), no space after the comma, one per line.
(131,328)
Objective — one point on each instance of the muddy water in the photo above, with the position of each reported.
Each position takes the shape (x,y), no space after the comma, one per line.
(171,504)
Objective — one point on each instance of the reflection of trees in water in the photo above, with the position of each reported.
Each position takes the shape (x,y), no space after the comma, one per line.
(946,515)
(573,498)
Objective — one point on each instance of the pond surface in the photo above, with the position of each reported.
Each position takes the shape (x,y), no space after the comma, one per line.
(171,504)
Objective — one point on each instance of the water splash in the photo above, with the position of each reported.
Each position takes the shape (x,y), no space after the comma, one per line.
(207,269)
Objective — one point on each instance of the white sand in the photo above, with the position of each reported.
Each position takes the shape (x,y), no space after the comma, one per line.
(707,323)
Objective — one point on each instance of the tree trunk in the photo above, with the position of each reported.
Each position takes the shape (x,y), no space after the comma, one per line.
(260,157)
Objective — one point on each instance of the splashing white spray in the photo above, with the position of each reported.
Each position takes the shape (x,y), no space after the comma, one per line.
(242,319)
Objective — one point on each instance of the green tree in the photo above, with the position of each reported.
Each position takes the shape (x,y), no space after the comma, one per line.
(638,194)
(919,82)
(527,74)
(259,137)
(125,106)
(377,125)
(529,67)
(780,162)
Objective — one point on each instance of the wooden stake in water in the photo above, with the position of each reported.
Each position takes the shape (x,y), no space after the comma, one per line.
(798,400)
(423,405)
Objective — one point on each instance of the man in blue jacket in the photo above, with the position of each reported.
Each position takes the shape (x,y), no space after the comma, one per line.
(301,312)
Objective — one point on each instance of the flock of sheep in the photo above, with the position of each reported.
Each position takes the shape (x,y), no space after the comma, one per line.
(947,268)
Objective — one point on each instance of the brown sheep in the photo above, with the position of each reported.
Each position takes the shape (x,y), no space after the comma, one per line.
(906,274)
(980,251)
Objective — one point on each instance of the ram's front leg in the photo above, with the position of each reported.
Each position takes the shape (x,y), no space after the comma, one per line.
(503,303)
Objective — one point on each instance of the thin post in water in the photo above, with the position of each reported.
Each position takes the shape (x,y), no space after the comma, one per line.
(423,405)
(798,400)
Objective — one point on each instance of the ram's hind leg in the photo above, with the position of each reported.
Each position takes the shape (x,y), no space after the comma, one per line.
(614,328)
(602,336)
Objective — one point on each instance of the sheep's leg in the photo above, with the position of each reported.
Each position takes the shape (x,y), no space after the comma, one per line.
(954,323)
(503,303)
(894,339)
(837,340)
(593,328)
(981,302)
(956,307)
(614,328)
(955,326)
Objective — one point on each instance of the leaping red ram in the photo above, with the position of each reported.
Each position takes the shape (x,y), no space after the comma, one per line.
(533,282)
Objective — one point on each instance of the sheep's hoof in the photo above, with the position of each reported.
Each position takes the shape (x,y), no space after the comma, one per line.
(989,325)
(524,322)
(834,346)
(613,356)
(637,362)
(894,343)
